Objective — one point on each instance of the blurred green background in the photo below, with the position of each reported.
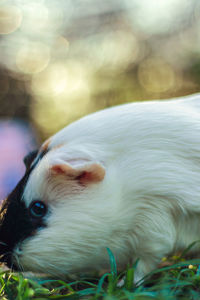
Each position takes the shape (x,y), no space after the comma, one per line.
(62,59)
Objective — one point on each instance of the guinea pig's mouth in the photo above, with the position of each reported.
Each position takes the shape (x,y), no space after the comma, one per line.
(7,259)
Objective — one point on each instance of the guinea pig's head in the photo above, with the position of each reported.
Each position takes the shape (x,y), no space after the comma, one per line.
(50,223)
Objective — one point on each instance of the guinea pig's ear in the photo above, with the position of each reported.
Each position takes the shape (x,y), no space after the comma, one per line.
(81,170)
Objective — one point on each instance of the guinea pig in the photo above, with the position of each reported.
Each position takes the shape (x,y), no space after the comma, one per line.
(125,178)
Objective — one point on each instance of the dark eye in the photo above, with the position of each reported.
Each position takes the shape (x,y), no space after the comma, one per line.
(37,209)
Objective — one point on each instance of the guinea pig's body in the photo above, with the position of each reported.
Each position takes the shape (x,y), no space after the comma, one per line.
(125,178)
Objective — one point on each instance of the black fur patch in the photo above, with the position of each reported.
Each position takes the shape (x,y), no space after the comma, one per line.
(15,222)
(29,158)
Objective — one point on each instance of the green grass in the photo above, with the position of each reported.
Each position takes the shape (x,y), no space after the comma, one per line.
(179,279)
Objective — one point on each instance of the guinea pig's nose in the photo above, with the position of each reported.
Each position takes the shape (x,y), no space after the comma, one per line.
(18,251)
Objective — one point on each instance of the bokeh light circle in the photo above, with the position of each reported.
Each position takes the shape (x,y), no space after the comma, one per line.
(10,19)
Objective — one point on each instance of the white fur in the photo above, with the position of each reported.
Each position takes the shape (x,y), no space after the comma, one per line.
(146,206)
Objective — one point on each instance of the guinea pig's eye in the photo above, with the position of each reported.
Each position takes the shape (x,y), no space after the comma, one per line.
(37,209)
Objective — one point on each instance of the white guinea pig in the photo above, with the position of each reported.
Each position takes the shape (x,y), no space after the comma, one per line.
(126,178)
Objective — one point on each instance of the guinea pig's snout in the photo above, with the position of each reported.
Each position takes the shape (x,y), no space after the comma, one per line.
(5,254)
(17,252)
(9,258)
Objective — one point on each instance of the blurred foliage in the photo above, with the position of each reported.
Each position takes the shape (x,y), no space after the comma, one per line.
(60,60)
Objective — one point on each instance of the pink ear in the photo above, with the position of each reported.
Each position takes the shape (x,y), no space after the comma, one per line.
(88,173)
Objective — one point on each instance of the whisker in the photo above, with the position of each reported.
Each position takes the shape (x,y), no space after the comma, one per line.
(5,254)
(2,243)
(3,258)
(18,263)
